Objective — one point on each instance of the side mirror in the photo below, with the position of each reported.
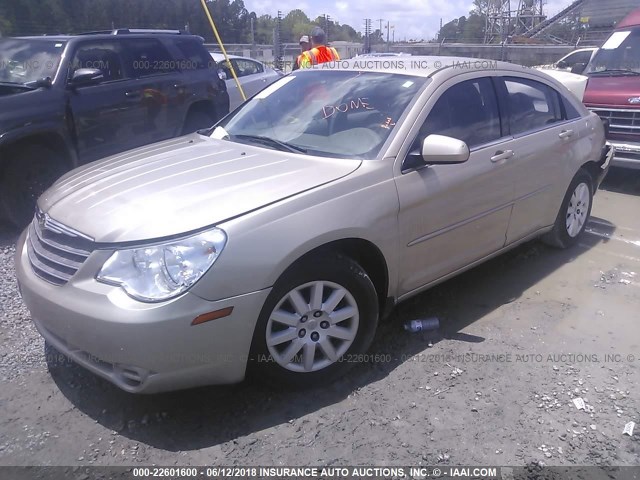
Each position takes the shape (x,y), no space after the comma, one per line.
(437,150)
(86,76)
(562,64)
(578,68)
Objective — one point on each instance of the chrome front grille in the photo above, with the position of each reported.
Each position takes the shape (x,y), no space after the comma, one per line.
(55,251)
(624,121)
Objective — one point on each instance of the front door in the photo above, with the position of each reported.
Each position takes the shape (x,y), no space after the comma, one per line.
(453,215)
(102,113)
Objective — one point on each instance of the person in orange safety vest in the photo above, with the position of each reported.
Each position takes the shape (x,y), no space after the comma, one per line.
(319,52)
(305,45)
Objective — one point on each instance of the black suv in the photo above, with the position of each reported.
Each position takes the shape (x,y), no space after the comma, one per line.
(68,100)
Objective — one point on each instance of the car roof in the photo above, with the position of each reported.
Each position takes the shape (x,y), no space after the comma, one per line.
(425,66)
(55,38)
(586,49)
(217,56)
(101,36)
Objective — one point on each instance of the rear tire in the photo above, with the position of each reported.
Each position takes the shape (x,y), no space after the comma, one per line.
(317,339)
(28,172)
(574,212)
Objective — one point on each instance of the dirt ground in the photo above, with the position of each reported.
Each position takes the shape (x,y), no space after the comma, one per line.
(520,338)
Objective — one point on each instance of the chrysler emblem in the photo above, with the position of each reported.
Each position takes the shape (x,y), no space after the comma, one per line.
(45,222)
(634,100)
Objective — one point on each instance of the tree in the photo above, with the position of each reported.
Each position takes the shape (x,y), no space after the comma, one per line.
(233,20)
(264,29)
(474,29)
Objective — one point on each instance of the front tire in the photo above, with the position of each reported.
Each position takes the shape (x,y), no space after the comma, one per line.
(29,171)
(574,212)
(320,314)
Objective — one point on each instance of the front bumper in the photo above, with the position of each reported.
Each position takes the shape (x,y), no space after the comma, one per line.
(141,348)
(627,154)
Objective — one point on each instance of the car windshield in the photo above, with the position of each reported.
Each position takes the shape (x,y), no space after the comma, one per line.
(28,60)
(346,114)
(620,54)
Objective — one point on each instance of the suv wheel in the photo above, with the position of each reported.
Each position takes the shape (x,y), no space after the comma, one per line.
(574,212)
(318,314)
(30,170)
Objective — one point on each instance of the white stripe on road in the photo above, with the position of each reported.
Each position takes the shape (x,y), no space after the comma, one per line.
(607,252)
(608,236)
(604,223)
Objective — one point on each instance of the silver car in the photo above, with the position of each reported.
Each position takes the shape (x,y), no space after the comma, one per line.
(252,75)
(275,242)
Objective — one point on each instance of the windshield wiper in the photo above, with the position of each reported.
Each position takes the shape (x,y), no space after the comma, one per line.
(613,71)
(287,147)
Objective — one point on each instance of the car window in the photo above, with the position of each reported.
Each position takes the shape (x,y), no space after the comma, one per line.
(246,67)
(224,66)
(620,52)
(467,111)
(28,60)
(148,56)
(193,56)
(577,57)
(532,105)
(570,111)
(346,114)
(103,55)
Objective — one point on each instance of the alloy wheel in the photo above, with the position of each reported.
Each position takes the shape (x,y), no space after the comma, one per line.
(577,210)
(312,326)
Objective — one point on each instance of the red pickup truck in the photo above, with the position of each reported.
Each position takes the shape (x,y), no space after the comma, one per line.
(613,89)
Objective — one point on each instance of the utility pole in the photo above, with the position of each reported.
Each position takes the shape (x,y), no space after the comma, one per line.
(278,43)
(367,35)
(327,19)
(388,23)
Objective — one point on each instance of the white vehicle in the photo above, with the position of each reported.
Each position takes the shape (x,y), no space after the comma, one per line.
(253,77)
(576,84)
(574,62)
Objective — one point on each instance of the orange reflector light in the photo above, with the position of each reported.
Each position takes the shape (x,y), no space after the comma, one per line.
(207,317)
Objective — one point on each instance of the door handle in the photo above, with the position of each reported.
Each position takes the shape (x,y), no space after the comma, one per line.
(178,85)
(502,155)
(566,134)
(132,94)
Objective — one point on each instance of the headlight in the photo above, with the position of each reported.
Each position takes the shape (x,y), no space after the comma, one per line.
(160,272)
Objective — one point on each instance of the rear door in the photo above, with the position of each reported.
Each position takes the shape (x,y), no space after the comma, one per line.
(545,142)
(251,75)
(158,92)
(453,215)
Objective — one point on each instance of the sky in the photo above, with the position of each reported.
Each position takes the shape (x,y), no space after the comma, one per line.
(412,19)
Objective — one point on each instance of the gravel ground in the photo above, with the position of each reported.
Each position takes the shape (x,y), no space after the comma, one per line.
(521,337)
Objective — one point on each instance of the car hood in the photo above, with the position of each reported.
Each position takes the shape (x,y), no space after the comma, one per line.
(180,185)
(612,91)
